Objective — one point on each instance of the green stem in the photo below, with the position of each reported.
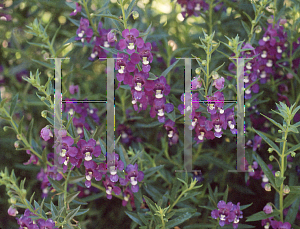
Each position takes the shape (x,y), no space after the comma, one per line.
(66,189)
(274,13)
(282,168)
(163,221)
(124,16)
(24,139)
(84,3)
(210,17)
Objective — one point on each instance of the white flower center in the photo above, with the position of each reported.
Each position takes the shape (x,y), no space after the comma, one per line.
(66,161)
(82,40)
(246,79)
(81,34)
(222,217)
(198,7)
(158,94)
(131,46)
(248,66)
(266,38)
(75,11)
(201,136)
(133,101)
(71,111)
(124,135)
(121,70)
(106,44)
(45,190)
(217,128)
(133,180)
(108,190)
(236,220)
(161,112)
(126,198)
(279,50)
(263,74)
(221,110)
(264,54)
(79,130)
(286,45)
(248,91)
(183,8)
(112,170)
(88,156)
(211,106)
(145,61)
(269,63)
(63,153)
(91,111)
(265,178)
(89,176)
(170,134)
(86,192)
(138,87)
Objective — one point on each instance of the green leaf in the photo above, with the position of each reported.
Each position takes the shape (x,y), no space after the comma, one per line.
(134,217)
(53,210)
(50,66)
(145,35)
(20,127)
(129,9)
(245,206)
(152,76)
(13,104)
(179,220)
(265,169)
(294,148)
(76,179)
(293,129)
(110,16)
(274,122)
(293,211)
(87,135)
(29,131)
(56,185)
(261,215)
(72,214)
(44,156)
(225,195)
(3,102)
(150,203)
(267,140)
(165,72)
(212,196)
(151,171)
(208,207)
(38,45)
(5,118)
(82,211)
(279,181)
(246,27)
(290,199)
(72,196)
(200,225)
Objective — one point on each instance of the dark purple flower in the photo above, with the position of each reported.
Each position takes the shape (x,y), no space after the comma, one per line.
(87,150)
(219,83)
(134,176)
(77,10)
(131,39)
(46,224)
(111,36)
(114,164)
(128,196)
(215,103)
(280,225)
(196,83)
(84,32)
(218,122)
(172,132)
(110,187)
(68,153)
(33,159)
(146,56)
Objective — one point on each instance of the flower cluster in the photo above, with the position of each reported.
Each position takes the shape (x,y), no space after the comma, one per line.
(266,223)
(25,222)
(3,14)
(227,214)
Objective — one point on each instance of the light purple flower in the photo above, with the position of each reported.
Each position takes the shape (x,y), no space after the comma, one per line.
(46,133)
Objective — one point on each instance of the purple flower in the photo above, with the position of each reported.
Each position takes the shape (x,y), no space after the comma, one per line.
(146,56)
(268,209)
(33,159)
(131,40)
(12,211)
(201,131)
(196,83)
(46,224)
(77,10)
(87,150)
(215,102)
(219,83)
(280,225)
(84,32)
(172,132)
(46,133)
(218,122)
(68,153)
(111,36)
(110,187)
(113,163)
(128,196)
(257,142)
(73,89)
(134,176)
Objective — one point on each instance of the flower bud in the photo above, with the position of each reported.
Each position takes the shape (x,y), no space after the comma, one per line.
(293,154)
(289,75)
(44,114)
(268,187)
(16,144)
(286,189)
(43,98)
(5,128)
(277,174)
(198,71)
(12,200)
(270,150)
(248,104)
(24,192)
(280,131)
(258,29)
(135,15)
(18,137)
(271,158)
(203,62)
(268,209)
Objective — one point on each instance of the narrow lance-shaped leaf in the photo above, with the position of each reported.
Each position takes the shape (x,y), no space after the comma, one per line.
(13,104)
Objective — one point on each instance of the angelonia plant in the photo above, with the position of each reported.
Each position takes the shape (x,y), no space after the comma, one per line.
(61,169)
